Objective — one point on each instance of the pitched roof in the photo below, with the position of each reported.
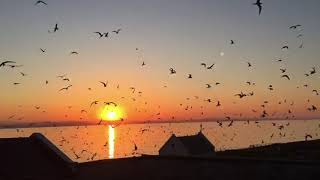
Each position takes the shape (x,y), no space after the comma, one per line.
(197,144)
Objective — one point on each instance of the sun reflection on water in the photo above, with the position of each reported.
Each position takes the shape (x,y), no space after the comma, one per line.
(111,141)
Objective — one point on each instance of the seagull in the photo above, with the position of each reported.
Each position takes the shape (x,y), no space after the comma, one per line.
(23,74)
(285,76)
(204,65)
(14,66)
(218,104)
(312,108)
(74,52)
(249,64)
(172,71)
(6,62)
(100,34)
(16,83)
(313,71)
(133,89)
(231,42)
(143,63)
(40,2)
(285,47)
(109,103)
(117,31)
(259,4)
(106,34)
(47,81)
(283,70)
(189,76)
(43,50)
(104,83)
(241,95)
(210,67)
(55,29)
(307,136)
(65,88)
(295,26)
(65,79)
(315,91)
(94,103)
(208,85)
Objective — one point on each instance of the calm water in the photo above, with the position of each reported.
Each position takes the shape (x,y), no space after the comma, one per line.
(102,142)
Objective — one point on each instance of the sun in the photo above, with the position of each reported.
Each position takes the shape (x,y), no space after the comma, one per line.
(111,113)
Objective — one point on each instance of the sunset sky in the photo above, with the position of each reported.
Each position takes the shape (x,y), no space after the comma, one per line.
(178,34)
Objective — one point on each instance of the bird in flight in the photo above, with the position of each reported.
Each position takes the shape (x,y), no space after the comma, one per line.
(102,34)
(249,64)
(74,53)
(285,76)
(40,2)
(285,47)
(295,26)
(94,103)
(313,71)
(259,5)
(232,42)
(210,67)
(117,31)
(16,83)
(241,95)
(143,63)
(5,63)
(23,74)
(104,83)
(189,76)
(283,70)
(172,71)
(43,50)
(204,65)
(65,88)
(109,103)
(208,85)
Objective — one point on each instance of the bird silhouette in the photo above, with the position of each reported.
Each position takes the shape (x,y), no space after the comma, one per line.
(313,71)
(210,67)
(100,34)
(241,95)
(40,2)
(232,42)
(94,103)
(117,31)
(16,83)
(283,70)
(295,26)
(208,85)
(285,47)
(285,76)
(204,65)
(218,104)
(307,136)
(104,83)
(189,76)
(315,91)
(110,103)
(23,74)
(249,64)
(143,63)
(6,62)
(74,53)
(259,5)
(43,50)
(65,88)
(172,71)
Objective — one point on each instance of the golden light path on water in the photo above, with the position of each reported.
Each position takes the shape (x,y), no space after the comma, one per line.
(111,133)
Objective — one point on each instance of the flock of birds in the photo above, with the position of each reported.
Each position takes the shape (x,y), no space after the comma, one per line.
(172,71)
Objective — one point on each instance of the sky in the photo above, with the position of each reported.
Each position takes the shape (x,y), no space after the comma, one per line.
(178,34)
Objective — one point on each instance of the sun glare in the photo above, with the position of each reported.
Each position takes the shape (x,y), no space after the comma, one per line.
(111,113)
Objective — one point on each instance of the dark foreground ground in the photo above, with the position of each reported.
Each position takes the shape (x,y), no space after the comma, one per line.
(27,158)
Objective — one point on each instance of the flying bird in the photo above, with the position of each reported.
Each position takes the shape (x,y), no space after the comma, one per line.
(189,76)
(259,5)
(43,50)
(283,70)
(172,71)
(94,103)
(285,76)
(40,2)
(204,65)
(241,95)
(208,85)
(143,63)
(23,74)
(232,42)
(210,67)
(249,64)
(117,31)
(313,71)
(109,103)
(295,26)
(65,88)
(74,53)
(100,34)
(104,83)
(285,47)
(6,62)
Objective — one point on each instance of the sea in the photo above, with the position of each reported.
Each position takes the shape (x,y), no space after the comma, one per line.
(97,142)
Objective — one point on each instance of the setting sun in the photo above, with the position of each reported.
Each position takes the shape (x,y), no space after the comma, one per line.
(111,113)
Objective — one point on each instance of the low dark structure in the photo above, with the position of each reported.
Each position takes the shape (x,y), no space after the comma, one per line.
(36,158)
(196,145)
